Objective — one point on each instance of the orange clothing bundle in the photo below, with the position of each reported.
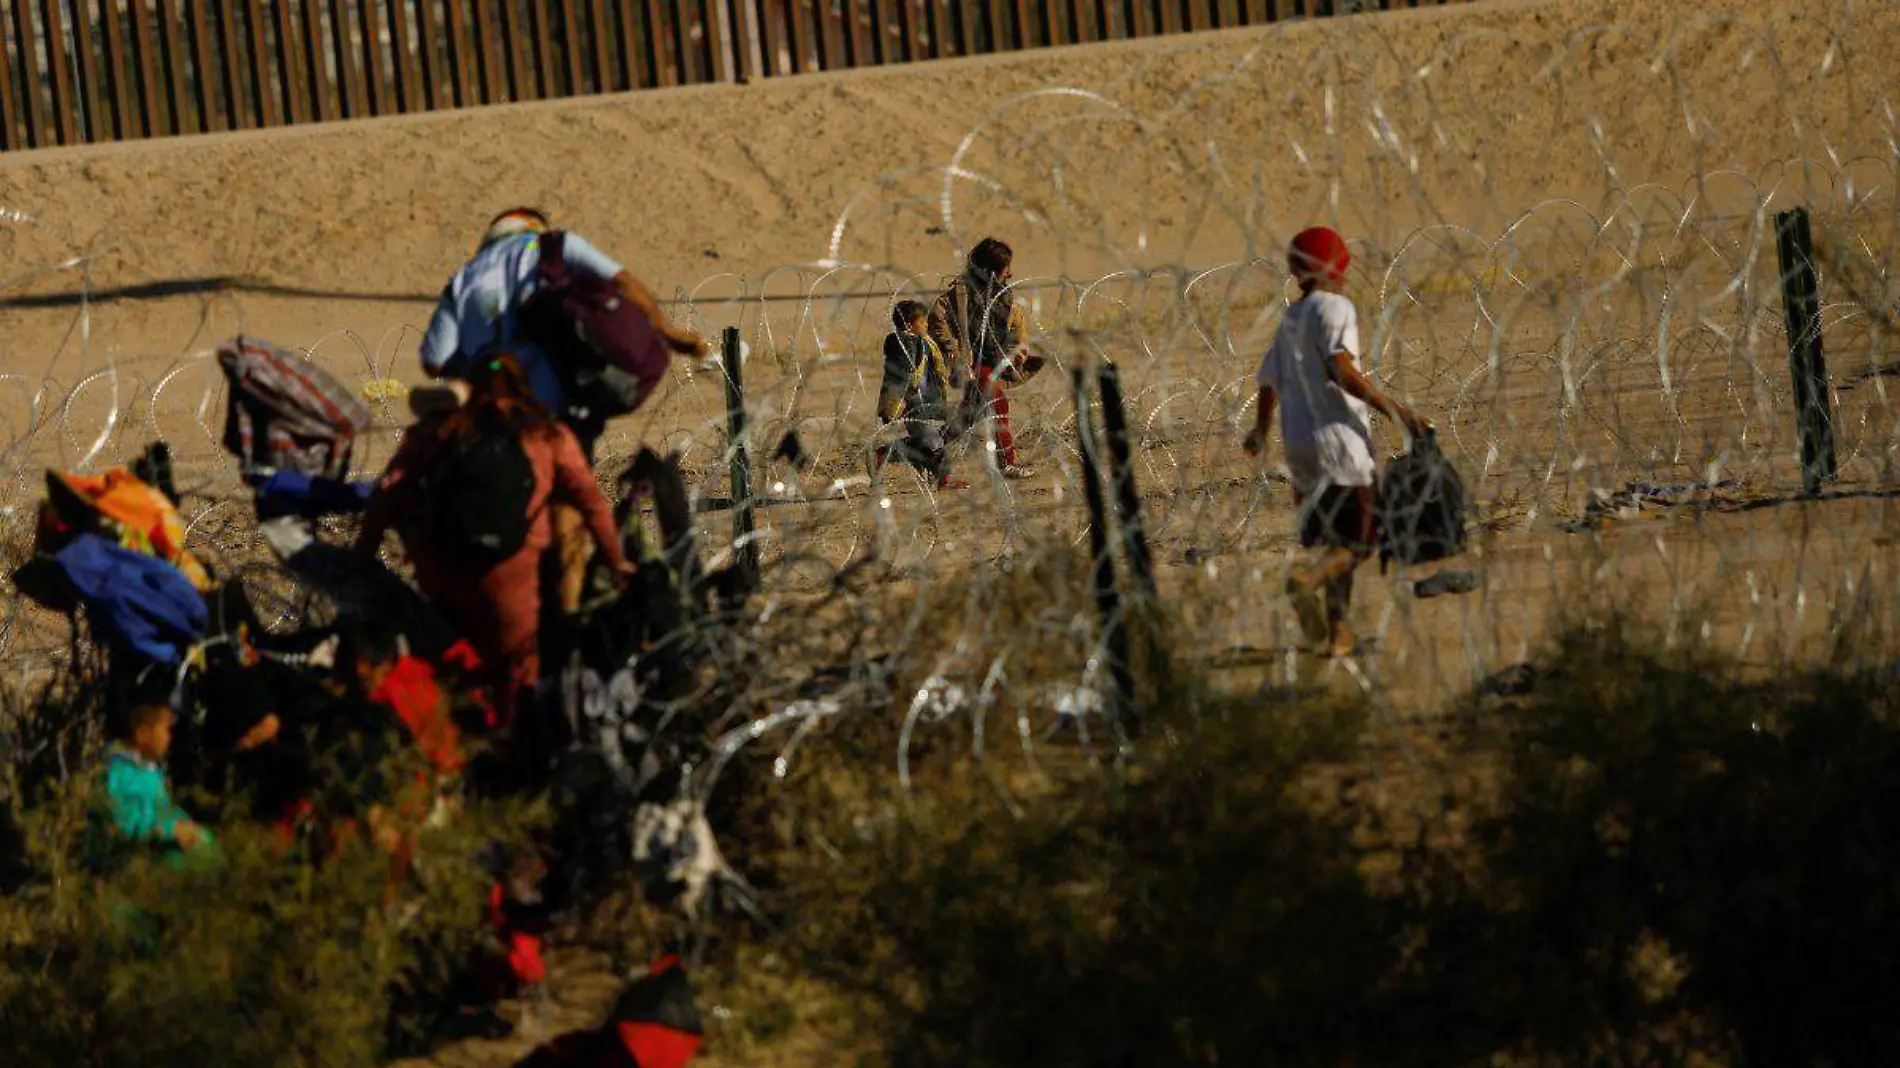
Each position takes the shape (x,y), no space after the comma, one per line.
(121,507)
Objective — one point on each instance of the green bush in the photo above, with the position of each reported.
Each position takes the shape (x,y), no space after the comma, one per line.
(1671,841)
(259,958)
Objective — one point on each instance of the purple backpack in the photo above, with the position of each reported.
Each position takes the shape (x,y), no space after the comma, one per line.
(609,352)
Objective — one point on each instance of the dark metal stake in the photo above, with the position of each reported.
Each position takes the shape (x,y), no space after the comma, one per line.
(1800,295)
(736,457)
(1107,599)
(1122,472)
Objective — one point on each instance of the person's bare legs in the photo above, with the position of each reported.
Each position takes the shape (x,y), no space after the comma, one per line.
(1322,593)
(1341,639)
(1338,581)
(1320,609)
(576,548)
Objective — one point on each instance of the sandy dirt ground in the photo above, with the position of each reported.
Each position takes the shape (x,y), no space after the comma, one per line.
(1563,223)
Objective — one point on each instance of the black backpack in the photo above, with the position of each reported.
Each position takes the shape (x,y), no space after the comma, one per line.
(478,493)
(1421,506)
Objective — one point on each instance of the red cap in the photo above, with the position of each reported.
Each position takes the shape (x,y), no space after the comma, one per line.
(1318,254)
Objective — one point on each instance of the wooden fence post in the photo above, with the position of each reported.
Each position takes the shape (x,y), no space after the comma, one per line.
(1814,421)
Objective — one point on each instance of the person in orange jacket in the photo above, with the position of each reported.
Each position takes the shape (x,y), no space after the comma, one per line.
(496,605)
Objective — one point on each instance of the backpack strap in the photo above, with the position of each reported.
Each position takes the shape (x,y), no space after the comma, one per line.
(553,269)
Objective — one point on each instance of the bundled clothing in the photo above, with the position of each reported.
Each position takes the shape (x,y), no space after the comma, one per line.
(142,604)
(498,608)
(411,691)
(916,382)
(120,506)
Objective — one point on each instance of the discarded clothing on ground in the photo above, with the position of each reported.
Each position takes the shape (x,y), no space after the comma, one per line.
(655,1023)
(1635,498)
(674,848)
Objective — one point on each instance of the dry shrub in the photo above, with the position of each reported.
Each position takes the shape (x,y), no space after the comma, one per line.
(1669,865)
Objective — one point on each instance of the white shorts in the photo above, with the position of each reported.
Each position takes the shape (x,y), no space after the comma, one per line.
(1326,462)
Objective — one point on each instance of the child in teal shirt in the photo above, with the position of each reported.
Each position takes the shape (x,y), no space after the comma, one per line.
(139,799)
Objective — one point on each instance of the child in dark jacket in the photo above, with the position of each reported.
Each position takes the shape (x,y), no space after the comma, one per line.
(916,381)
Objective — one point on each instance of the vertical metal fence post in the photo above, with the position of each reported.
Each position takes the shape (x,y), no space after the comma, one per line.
(1114,646)
(736,457)
(1121,468)
(1814,421)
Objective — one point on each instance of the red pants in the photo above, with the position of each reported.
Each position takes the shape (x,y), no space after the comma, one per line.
(993,403)
(499,612)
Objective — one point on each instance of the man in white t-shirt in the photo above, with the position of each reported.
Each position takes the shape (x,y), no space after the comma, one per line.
(1311,374)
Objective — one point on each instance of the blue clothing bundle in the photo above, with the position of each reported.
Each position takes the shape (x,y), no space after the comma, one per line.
(141,600)
(293,493)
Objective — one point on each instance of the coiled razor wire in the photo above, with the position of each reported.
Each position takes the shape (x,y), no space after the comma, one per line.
(1566,352)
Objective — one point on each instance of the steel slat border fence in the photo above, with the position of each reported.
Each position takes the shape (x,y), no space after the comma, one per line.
(88,71)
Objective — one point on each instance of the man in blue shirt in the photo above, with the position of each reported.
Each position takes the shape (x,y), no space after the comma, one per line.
(480,307)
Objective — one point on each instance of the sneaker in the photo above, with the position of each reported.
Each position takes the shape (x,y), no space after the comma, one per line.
(948,483)
(1017,472)
(1310,608)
